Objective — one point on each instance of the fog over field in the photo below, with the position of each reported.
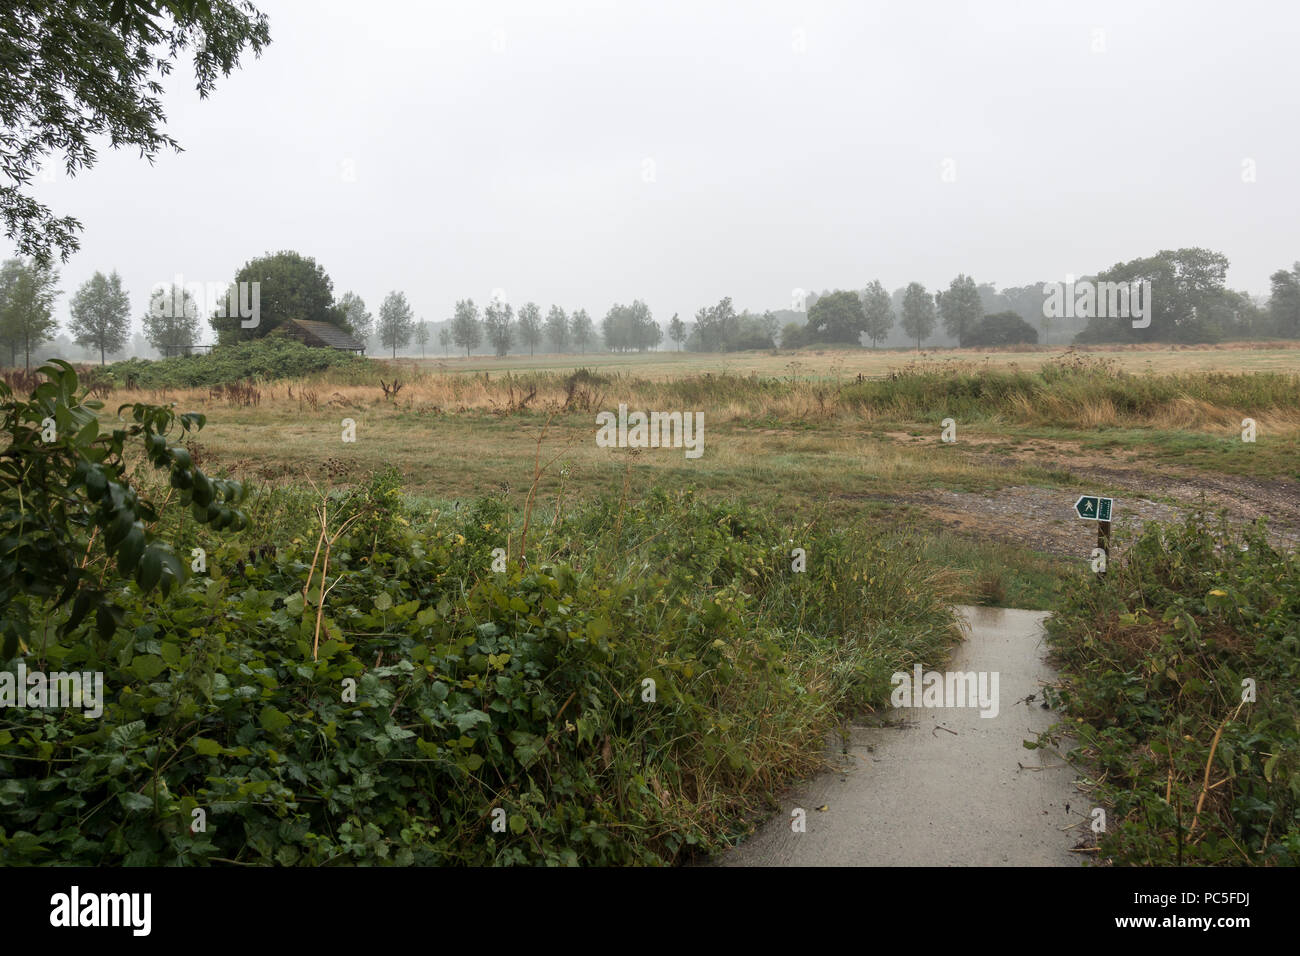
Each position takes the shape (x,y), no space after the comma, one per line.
(679,152)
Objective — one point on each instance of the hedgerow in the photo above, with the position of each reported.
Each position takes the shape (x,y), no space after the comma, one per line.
(266,359)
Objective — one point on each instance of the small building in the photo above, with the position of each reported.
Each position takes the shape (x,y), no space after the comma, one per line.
(320,335)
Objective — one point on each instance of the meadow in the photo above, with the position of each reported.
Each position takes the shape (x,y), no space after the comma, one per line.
(844,436)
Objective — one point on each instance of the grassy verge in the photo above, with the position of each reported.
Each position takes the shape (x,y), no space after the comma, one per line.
(1180,682)
(1000,575)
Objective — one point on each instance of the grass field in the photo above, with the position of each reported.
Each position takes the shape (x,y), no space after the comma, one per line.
(1160,429)
(831,364)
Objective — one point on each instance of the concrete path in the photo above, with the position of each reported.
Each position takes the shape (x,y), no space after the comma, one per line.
(943,786)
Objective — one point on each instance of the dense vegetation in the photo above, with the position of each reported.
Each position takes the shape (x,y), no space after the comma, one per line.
(349,680)
(1075,390)
(1004,328)
(1180,677)
(263,360)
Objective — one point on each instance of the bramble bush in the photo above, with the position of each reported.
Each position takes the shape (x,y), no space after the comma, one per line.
(265,359)
(637,690)
(1198,766)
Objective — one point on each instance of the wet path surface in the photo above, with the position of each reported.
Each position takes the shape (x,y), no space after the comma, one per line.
(943,786)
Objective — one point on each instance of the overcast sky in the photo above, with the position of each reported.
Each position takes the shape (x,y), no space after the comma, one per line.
(583,153)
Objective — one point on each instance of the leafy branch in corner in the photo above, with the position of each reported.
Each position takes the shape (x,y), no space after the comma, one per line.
(63,487)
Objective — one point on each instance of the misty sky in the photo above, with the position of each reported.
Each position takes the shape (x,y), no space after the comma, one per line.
(448,149)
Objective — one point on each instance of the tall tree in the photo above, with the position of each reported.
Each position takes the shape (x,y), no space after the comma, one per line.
(1284,302)
(582,329)
(918,313)
(1189,299)
(648,333)
(991,300)
(172,321)
(421,336)
(498,323)
(289,286)
(466,331)
(101,315)
(961,308)
(28,319)
(879,312)
(396,321)
(78,73)
(837,317)
(530,325)
(140,347)
(716,326)
(616,328)
(677,331)
(355,316)
(557,328)
(444,339)
(10,272)
(1027,302)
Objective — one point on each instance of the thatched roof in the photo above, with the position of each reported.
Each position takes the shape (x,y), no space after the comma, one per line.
(321,335)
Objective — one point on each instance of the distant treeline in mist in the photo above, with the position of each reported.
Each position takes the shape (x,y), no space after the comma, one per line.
(1190,303)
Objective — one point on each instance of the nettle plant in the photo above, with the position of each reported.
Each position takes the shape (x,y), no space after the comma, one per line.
(69,514)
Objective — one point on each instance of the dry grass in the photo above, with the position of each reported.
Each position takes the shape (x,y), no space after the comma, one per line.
(804,442)
(847,364)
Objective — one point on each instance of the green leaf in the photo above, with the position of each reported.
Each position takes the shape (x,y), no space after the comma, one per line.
(517,823)
(273,719)
(150,570)
(132,547)
(134,802)
(118,527)
(206,747)
(471,719)
(147,666)
(383,602)
(1270,765)
(528,747)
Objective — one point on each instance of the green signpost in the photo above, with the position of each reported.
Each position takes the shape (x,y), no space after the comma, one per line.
(1098,509)
(1093,508)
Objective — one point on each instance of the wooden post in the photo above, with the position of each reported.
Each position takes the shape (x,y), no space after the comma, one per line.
(1103,542)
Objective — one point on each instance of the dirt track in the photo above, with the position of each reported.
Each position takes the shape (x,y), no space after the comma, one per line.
(1043,517)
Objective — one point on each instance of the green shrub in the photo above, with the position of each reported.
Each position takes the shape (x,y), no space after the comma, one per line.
(520,691)
(1154,661)
(68,509)
(265,359)
(1003,328)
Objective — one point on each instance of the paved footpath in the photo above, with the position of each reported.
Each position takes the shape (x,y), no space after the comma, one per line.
(943,786)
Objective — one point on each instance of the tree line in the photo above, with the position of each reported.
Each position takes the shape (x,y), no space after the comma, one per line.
(1190,303)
